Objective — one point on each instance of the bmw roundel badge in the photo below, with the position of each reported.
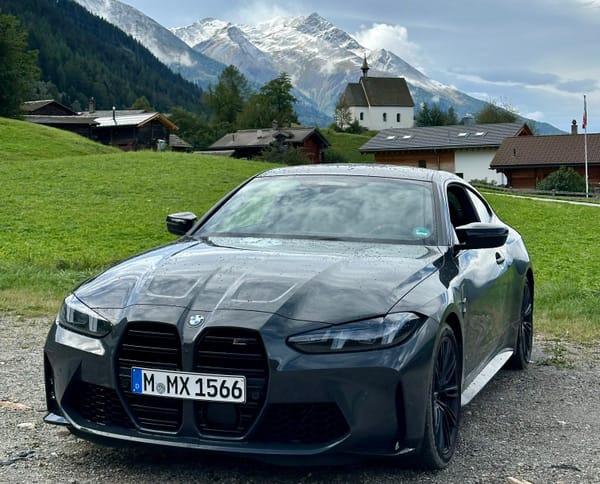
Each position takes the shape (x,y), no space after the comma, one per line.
(196,320)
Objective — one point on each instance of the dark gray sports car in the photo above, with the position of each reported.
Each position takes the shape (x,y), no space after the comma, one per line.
(314,310)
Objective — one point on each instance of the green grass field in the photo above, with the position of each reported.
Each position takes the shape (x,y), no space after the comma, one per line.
(348,145)
(562,240)
(65,218)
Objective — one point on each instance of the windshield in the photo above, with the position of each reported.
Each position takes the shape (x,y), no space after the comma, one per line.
(330,208)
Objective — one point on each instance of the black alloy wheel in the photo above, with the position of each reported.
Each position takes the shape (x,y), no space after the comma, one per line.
(524,345)
(443,412)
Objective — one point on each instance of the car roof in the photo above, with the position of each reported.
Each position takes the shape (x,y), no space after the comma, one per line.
(374,170)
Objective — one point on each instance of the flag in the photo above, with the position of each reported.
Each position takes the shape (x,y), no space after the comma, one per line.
(584,123)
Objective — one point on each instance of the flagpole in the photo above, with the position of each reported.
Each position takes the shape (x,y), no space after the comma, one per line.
(585,150)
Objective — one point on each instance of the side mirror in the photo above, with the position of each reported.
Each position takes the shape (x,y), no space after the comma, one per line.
(479,235)
(180,223)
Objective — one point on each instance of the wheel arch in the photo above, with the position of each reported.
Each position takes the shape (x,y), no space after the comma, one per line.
(530,280)
(453,321)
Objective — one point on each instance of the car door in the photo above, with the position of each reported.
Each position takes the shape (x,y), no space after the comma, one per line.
(481,285)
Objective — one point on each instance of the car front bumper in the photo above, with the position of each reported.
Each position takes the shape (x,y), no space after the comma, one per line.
(370,402)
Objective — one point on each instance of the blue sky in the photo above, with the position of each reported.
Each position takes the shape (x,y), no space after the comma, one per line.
(538,56)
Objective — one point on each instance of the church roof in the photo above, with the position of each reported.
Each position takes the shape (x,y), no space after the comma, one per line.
(379,91)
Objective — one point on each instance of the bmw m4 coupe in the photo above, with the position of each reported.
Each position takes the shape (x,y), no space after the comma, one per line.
(315,310)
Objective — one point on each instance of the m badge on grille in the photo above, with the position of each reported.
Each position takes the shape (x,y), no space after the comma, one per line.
(196,320)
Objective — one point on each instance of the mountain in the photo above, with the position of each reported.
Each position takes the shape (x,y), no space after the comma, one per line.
(166,46)
(81,55)
(320,58)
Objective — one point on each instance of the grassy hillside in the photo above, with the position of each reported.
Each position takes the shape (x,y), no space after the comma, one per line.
(348,145)
(24,141)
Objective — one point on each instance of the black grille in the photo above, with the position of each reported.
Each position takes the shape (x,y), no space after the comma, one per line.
(98,404)
(302,423)
(231,351)
(155,346)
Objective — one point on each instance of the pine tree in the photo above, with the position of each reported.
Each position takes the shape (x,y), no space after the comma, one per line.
(226,100)
(19,70)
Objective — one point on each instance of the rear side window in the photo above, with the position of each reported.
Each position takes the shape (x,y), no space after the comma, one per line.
(481,207)
(460,206)
(466,206)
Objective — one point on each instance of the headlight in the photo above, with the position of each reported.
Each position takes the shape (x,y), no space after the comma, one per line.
(359,336)
(76,316)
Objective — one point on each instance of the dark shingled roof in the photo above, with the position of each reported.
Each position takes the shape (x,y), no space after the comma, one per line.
(379,91)
(261,138)
(177,142)
(33,106)
(539,151)
(443,137)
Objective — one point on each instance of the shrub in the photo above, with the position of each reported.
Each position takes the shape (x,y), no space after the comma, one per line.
(331,155)
(483,182)
(355,128)
(287,156)
(565,179)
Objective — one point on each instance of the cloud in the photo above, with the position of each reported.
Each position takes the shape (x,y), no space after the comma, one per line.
(522,78)
(582,85)
(590,3)
(253,13)
(390,37)
(508,76)
(535,115)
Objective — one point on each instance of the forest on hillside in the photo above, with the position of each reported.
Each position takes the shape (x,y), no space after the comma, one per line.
(83,56)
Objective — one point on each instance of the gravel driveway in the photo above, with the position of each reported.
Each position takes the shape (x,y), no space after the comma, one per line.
(538,426)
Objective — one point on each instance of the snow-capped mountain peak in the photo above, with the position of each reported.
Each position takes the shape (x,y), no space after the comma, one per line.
(200,31)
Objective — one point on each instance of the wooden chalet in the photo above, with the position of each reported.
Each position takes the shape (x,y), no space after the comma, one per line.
(56,115)
(47,107)
(130,129)
(249,143)
(134,131)
(178,144)
(466,150)
(525,161)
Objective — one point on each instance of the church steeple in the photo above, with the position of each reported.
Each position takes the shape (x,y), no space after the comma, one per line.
(365,66)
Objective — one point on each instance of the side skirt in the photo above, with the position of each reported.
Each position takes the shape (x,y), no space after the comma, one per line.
(485,376)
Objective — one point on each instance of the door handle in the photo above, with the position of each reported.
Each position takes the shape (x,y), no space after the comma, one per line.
(499,258)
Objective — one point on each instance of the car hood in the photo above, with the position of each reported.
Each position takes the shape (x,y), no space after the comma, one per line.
(316,281)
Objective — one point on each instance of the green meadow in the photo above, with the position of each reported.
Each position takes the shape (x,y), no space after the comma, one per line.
(71,207)
(563,242)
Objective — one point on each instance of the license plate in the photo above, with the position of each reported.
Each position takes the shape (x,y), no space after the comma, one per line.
(190,386)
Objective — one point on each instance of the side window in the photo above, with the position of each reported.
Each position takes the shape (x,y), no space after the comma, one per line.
(481,207)
(384,117)
(460,206)
(397,117)
(362,116)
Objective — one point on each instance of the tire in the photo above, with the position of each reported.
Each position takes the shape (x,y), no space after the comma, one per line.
(443,409)
(524,343)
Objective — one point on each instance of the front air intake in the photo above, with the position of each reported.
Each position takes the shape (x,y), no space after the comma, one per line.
(231,351)
(155,346)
